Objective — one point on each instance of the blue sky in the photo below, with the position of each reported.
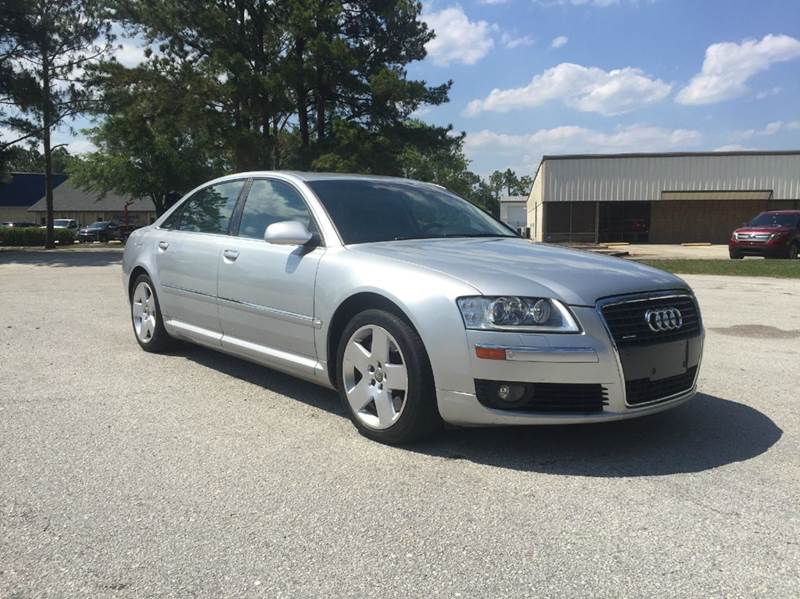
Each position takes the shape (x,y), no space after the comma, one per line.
(624,75)
(594,76)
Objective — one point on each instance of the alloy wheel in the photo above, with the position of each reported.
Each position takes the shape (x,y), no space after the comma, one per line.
(143,307)
(375,377)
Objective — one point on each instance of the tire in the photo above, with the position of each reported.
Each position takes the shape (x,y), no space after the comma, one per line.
(794,251)
(735,256)
(370,379)
(148,326)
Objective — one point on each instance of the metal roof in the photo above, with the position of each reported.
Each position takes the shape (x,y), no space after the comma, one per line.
(25,188)
(69,198)
(673,154)
(644,177)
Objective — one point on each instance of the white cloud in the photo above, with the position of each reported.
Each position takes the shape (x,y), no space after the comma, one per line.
(728,66)
(457,38)
(559,41)
(769,92)
(493,1)
(588,89)
(768,130)
(129,54)
(80,145)
(525,150)
(510,41)
(731,148)
(600,3)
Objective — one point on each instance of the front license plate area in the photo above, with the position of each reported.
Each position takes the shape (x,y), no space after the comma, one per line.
(659,361)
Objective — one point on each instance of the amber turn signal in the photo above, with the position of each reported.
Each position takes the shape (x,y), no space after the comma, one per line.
(490,353)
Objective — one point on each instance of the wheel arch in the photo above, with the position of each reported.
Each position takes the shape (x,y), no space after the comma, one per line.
(137,270)
(354,304)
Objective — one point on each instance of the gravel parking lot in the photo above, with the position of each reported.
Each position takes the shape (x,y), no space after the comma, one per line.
(125,474)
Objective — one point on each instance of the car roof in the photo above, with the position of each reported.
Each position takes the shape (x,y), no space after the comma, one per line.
(792,212)
(308,177)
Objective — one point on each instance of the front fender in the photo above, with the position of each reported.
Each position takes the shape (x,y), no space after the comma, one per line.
(427,298)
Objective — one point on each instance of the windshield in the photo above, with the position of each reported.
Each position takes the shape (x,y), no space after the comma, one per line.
(365,211)
(61,222)
(774,219)
(98,225)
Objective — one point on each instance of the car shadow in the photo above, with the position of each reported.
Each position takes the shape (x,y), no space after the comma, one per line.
(708,432)
(61,257)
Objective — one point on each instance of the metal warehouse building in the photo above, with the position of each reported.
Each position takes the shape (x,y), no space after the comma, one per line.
(658,198)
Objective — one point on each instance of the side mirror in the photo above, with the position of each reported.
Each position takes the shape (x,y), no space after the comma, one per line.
(288,232)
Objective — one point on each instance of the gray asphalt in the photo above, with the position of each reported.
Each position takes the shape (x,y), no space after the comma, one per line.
(126,474)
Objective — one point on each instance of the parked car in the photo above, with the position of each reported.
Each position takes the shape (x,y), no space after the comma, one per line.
(18,224)
(64,223)
(414,304)
(772,234)
(102,230)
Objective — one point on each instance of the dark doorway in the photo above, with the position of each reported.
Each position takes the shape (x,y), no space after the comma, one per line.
(624,221)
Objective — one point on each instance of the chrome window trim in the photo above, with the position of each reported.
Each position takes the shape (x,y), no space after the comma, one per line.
(643,297)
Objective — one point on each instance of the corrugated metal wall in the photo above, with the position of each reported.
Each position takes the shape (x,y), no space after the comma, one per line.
(643,178)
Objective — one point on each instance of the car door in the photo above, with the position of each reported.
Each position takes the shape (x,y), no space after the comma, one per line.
(267,290)
(188,247)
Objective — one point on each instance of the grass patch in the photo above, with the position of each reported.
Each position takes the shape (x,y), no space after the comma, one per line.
(785,269)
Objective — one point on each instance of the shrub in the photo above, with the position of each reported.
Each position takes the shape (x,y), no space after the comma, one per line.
(17,236)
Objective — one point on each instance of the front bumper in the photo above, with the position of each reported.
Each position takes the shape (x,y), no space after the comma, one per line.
(590,357)
(766,249)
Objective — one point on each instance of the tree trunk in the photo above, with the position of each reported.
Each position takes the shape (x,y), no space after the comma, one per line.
(276,148)
(49,242)
(320,108)
(302,104)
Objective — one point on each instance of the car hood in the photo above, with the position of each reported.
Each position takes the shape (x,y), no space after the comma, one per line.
(513,266)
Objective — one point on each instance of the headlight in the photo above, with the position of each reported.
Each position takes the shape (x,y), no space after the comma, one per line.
(510,313)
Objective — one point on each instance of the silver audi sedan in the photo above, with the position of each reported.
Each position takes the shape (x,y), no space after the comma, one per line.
(416,306)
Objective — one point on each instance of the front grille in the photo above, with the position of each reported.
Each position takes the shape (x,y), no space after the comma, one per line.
(753,236)
(545,397)
(626,320)
(644,390)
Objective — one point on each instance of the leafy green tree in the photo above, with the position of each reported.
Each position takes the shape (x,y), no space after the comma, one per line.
(28,159)
(296,82)
(51,41)
(149,145)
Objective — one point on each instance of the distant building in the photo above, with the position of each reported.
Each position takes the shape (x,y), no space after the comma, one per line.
(513,212)
(20,193)
(658,198)
(87,207)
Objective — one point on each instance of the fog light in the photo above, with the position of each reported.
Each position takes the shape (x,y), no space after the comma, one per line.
(510,393)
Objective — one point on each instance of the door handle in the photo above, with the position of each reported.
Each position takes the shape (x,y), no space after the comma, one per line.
(163,245)
(231,254)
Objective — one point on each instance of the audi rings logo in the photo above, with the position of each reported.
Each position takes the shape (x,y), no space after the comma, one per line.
(664,319)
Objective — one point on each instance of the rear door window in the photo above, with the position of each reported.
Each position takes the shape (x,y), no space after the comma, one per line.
(208,210)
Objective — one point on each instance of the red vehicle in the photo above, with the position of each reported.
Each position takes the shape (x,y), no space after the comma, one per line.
(772,234)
